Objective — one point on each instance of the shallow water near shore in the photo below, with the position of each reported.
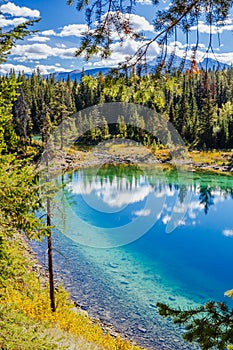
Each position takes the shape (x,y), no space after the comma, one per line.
(113,251)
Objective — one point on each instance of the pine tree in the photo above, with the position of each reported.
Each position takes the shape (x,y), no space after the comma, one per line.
(21,116)
(9,38)
(121,127)
(8,138)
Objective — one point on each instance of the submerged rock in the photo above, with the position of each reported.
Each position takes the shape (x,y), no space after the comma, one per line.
(141,329)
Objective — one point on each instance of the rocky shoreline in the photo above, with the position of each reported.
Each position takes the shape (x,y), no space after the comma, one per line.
(66,161)
(43,276)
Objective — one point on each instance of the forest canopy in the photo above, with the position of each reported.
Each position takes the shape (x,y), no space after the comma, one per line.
(199,105)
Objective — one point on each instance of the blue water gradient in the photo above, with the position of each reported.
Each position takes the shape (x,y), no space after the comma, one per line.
(121,285)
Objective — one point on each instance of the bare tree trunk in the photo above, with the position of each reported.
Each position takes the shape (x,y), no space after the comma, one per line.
(50,254)
(50,260)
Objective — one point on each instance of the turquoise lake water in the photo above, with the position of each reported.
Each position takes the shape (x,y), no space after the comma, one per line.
(128,238)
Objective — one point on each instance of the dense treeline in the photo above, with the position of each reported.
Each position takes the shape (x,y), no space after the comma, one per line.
(199,104)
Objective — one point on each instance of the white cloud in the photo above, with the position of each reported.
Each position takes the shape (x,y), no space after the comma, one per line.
(18,11)
(44,69)
(5,68)
(21,59)
(41,39)
(227,233)
(61,45)
(128,47)
(205,28)
(140,24)
(73,30)
(68,30)
(201,46)
(144,2)
(166,191)
(111,194)
(120,52)
(136,22)
(121,198)
(64,53)
(4,22)
(194,207)
(49,32)
(179,45)
(226,21)
(226,57)
(166,219)
(143,212)
(40,51)
(34,51)
(214,29)
(180,208)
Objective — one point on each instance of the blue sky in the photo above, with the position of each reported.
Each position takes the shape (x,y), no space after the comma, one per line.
(61,26)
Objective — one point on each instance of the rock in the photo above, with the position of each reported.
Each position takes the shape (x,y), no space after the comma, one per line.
(78,310)
(137,313)
(113,265)
(124,282)
(153,305)
(84,308)
(172,299)
(141,329)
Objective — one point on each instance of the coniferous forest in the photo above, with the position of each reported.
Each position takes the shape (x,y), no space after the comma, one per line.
(198,103)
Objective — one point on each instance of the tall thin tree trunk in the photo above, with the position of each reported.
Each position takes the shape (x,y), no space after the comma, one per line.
(50,253)
(61,132)
(50,259)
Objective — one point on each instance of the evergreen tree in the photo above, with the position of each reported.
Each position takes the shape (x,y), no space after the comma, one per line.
(9,38)
(8,139)
(190,101)
(21,118)
(210,325)
(121,127)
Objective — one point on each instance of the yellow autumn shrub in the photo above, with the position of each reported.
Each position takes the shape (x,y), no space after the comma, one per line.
(29,296)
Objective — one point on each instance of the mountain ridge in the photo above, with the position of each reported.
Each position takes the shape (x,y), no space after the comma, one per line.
(207,63)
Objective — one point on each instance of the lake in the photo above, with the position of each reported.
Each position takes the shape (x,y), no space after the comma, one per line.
(127,238)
